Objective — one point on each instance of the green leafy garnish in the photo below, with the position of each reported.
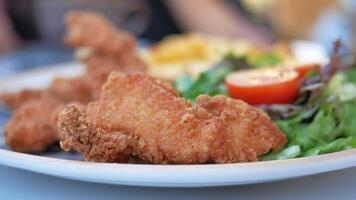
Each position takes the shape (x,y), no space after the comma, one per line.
(335,146)
(323,118)
(287,153)
(211,81)
(326,126)
(264,59)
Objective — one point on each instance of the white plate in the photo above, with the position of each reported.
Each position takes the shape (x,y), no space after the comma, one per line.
(69,165)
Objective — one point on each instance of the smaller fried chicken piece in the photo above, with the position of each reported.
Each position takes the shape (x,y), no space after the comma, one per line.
(108,49)
(80,89)
(104,45)
(75,89)
(13,100)
(127,64)
(111,50)
(89,29)
(32,127)
(137,116)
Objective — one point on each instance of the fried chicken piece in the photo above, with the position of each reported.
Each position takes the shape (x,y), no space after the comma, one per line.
(112,50)
(81,89)
(137,117)
(32,127)
(129,63)
(84,88)
(75,89)
(105,46)
(89,29)
(13,100)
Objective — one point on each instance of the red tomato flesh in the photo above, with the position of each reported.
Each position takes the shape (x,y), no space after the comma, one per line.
(306,68)
(264,86)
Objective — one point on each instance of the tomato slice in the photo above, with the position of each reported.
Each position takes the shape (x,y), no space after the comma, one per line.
(264,86)
(306,68)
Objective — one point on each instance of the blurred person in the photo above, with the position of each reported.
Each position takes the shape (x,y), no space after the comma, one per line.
(337,22)
(219,17)
(31,31)
(322,21)
(8,39)
(37,25)
(41,20)
(289,19)
(153,19)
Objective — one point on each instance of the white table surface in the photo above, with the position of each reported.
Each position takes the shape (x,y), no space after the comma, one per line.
(19,184)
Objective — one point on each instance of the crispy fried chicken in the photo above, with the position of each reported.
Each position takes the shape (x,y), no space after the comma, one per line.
(31,128)
(138,117)
(33,125)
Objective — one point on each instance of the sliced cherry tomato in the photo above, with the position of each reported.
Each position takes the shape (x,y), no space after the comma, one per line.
(306,68)
(264,86)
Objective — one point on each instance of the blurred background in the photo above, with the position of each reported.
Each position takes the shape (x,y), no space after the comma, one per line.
(31,31)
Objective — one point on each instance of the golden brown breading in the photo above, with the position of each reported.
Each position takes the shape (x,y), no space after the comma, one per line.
(87,87)
(89,29)
(112,50)
(129,63)
(15,99)
(75,89)
(146,120)
(32,127)
(109,47)
(246,123)
(96,143)
(81,89)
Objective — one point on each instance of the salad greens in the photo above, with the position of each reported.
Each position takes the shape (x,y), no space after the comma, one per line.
(264,59)
(332,128)
(211,81)
(325,123)
(323,118)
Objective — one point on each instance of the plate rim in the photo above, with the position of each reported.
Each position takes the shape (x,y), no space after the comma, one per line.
(202,175)
(197,175)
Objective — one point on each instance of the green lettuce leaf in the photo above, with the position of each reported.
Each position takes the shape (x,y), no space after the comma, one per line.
(211,81)
(287,153)
(335,146)
(264,60)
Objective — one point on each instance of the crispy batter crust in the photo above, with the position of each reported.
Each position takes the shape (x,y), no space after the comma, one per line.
(127,64)
(33,125)
(14,99)
(76,89)
(95,143)
(164,128)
